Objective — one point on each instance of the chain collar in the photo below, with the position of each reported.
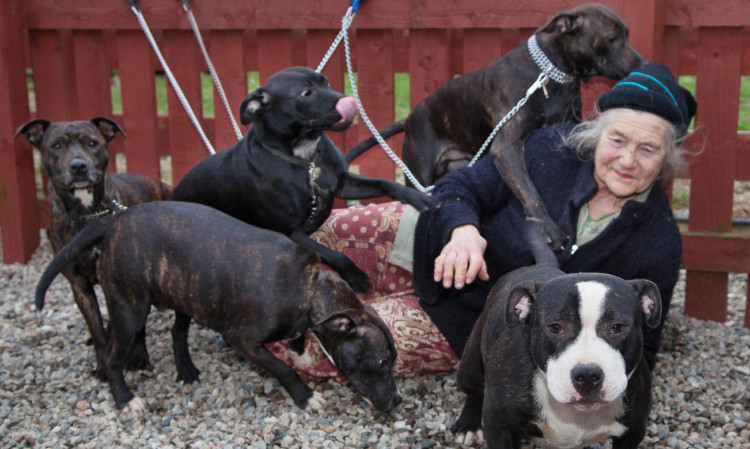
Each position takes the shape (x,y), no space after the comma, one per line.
(313,172)
(543,62)
(115,208)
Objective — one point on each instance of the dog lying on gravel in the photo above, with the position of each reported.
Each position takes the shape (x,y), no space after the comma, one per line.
(252,285)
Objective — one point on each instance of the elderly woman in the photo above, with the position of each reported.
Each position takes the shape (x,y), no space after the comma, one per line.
(600,182)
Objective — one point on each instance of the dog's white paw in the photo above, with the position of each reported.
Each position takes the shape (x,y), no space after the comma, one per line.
(470,438)
(136,407)
(316,402)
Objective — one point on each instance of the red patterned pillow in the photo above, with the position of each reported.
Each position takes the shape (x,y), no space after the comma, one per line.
(366,234)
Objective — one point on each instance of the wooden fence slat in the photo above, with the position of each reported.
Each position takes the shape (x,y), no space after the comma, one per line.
(227,55)
(481,46)
(376,87)
(274,52)
(706,295)
(93,84)
(718,83)
(645,20)
(18,213)
(138,90)
(54,83)
(428,63)
(186,147)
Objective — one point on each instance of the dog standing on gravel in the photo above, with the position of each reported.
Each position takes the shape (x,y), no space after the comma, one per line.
(447,128)
(284,173)
(252,285)
(75,158)
(556,359)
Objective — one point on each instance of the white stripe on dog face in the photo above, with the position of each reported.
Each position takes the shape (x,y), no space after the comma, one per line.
(588,348)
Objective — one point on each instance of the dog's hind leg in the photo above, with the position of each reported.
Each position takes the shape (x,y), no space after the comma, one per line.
(186,370)
(138,358)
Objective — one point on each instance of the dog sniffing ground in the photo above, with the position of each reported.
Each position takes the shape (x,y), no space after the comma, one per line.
(48,398)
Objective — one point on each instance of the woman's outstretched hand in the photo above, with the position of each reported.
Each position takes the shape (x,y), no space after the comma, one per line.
(462,258)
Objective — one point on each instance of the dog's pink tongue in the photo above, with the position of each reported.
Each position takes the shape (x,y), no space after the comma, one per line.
(347,109)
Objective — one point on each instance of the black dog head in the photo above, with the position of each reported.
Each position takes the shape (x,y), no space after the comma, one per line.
(585,322)
(358,342)
(593,40)
(298,103)
(74,154)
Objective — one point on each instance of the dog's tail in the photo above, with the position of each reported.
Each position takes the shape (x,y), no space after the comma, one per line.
(388,131)
(534,235)
(87,237)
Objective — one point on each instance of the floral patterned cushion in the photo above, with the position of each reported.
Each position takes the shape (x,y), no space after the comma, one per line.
(366,235)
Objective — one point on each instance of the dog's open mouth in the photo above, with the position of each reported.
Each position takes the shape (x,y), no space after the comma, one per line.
(81,185)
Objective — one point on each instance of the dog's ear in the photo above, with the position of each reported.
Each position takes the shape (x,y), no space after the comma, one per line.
(254,104)
(341,324)
(34,131)
(650,299)
(520,301)
(108,127)
(564,22)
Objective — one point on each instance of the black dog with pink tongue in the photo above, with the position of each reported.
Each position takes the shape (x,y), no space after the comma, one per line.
(285,173)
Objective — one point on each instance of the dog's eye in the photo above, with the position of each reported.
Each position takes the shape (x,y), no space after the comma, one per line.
(555,328)
(306,93)
(382,363)
(57,146)
(617,328)
(93,143)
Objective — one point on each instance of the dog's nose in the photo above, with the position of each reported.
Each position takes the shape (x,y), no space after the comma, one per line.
(587,378)
(78,167)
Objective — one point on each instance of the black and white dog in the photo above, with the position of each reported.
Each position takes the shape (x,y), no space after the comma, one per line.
(555,359)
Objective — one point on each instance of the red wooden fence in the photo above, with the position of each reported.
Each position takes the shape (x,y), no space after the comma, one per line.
(71,47)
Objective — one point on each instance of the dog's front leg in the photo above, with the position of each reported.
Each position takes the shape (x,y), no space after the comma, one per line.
(352,186)
(85,299)
(509,161)
(349,271)
(258,354)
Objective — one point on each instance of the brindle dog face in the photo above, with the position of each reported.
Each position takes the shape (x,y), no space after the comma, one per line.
(74,154)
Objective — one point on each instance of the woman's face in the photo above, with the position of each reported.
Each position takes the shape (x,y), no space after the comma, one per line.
(630,152)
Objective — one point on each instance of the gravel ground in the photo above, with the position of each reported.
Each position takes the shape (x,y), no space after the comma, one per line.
(48,398)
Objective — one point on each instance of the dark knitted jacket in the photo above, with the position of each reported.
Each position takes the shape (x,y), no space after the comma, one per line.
(643,242)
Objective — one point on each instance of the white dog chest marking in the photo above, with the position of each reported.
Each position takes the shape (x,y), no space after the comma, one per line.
(84,196)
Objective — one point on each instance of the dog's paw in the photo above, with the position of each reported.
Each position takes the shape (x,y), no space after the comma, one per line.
(188,374)
(137,363)
(420,201)
(136,407)
(470,438)
(99,374)
(315,402)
